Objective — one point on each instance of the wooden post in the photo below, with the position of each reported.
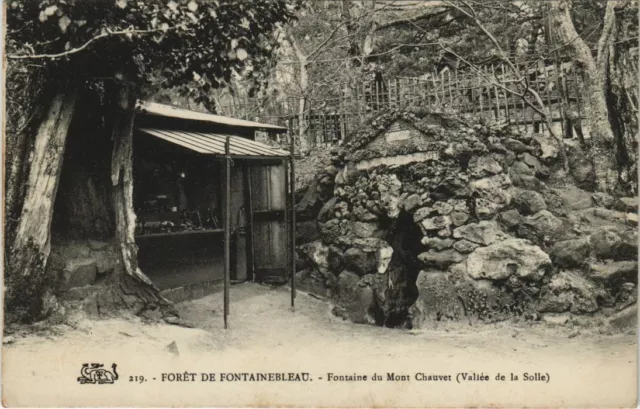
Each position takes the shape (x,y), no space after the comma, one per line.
(495,91)
(227,211)
(292,192)
(506,83)
(287,227)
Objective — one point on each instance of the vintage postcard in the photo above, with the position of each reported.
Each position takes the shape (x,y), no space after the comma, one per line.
(320,203)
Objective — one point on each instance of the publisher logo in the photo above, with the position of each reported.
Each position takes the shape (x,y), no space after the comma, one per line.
(97,374)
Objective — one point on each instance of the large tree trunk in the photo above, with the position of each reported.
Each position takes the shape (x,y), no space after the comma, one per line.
(303,82)
(25,281)
(621,87)
(594,83)
(128,287)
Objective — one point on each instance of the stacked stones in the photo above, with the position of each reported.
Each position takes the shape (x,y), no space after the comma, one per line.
(486,222)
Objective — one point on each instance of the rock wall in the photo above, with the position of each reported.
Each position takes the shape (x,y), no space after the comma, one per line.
(484,226)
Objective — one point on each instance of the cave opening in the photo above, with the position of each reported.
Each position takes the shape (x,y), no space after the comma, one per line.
(405,238)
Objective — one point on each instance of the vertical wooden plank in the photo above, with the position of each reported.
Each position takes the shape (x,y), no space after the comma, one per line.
(287,204)
(277,202)
(576,86)
(524,112)
(377,88)
(506,83)
(458,103)
(227,235)
(471,100)
(537,123)
(559,87)
(480,89)
(248,206)
(444,95)
(495,93)
(323,124)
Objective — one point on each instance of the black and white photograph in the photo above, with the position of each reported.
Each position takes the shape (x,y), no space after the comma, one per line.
(320,203)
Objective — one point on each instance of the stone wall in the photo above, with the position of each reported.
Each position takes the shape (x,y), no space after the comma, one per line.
(488,228)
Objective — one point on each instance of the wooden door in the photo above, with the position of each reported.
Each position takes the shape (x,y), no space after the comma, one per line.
(269,197)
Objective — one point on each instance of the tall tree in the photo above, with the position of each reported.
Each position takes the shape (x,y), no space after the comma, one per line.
(120,49)
(594,73)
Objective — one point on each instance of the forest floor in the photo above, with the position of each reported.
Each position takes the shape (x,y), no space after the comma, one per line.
(586,368)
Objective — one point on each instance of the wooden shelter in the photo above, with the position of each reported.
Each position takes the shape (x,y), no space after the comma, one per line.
(207,191)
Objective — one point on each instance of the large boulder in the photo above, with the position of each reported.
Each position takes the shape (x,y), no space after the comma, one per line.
(625,320)
(573,198)
(435,223)
(437,301)
(79,272)
(322,283)
(522,176)
(331,231)
(459,217)
(627,204)
(356,300)
(496,189)
(503,259)
(485,302)
(482,166)
(569,291)
(486,209)
(436,243)
(529,202)
(364,215)
(360,261)
(538,168)
(580,166)
(571,253)
(441,259)
(316,255)
(307,231)
(412,202)
(614,273)
(465,246)
(548,147)
(364,230)
(335,259)
(612,243)
(484,232)
(510,218)
(542,227)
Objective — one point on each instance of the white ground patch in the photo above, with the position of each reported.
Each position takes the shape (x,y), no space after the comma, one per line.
(266,335)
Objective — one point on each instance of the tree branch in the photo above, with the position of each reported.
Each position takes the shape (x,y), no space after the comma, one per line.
(415,19)
(326,40)
(128,31)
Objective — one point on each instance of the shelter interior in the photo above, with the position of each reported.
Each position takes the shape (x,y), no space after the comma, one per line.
(179,199)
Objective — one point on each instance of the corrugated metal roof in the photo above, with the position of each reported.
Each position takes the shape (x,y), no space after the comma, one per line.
(153,108)
(213,144)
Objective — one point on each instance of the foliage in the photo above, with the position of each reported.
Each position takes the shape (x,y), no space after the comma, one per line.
(193,44)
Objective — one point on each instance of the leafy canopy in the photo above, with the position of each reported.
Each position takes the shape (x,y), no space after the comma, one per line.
(176,43)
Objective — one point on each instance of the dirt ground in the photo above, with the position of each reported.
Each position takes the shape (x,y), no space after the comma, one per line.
(265,335)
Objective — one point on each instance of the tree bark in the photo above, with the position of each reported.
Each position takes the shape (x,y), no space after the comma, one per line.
(303,82)
(594,84)
(128,287)
(621,76)
(25,279)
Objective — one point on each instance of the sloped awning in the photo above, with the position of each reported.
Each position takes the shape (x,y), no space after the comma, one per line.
(167,111)
(214,144)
